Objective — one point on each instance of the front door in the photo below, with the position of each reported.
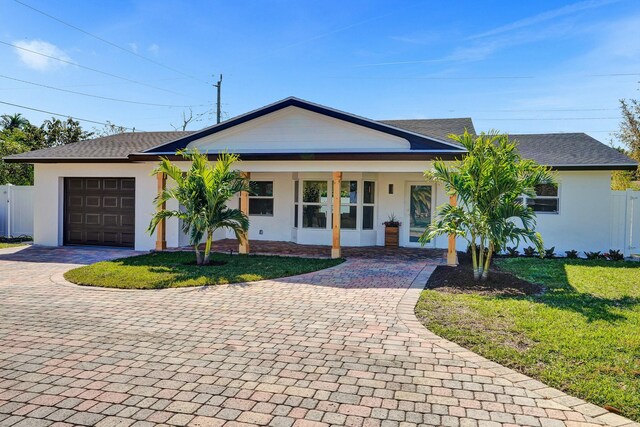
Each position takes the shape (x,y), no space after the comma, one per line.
(418,213)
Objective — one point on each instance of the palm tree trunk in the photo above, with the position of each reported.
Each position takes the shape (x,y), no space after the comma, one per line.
(198,254)
(485,272)
(477,276)
(207,248)
(474,259)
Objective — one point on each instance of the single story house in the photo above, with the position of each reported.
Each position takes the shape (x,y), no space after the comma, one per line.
(308,164)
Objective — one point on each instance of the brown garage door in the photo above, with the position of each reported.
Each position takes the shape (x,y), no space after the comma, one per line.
(99,211)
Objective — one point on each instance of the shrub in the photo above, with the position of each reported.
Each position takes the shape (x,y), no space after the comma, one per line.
(594,255)
(530,251)
(513,252)
(572,254)
(614,255)
(550,253)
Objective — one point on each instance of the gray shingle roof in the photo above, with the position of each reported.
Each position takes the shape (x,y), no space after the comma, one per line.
(437,128)
(555,149)
(115,147)
(568,149)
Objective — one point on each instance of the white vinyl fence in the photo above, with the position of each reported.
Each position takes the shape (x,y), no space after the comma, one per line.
(16,210)
(625,221)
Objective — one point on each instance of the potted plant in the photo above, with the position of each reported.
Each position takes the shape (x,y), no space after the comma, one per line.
(392,231)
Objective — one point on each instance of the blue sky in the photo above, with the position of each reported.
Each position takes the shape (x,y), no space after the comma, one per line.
(519,67)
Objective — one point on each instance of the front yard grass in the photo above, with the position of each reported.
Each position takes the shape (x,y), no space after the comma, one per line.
(177,269)
(10,245)
(581,334)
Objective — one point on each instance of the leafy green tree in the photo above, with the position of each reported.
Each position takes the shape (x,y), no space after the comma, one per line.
(204,192)
(57,132)
(629,135)
(489,183)
(18,135)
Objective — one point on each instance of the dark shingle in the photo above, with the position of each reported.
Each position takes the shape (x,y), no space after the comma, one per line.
(115,147)
(568,149)
(436,128)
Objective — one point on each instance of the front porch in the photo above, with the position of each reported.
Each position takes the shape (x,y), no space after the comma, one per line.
(269,247)
(319,213)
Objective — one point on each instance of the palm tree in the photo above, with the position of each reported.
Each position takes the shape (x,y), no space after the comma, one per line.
(204,191)
(13,121)
(489,183)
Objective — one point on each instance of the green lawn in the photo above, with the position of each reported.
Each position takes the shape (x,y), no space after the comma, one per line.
(582,335)
(177,269)
(10,245)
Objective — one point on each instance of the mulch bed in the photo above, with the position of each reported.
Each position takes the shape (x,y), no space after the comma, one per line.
(459,280)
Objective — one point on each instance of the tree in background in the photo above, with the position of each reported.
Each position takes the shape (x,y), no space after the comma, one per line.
(18,135)
(489,183)
(109,129)
(629,135)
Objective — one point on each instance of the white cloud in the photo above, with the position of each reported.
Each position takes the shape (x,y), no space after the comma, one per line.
(133,47)
(545,16)
(26,49)
(154,48)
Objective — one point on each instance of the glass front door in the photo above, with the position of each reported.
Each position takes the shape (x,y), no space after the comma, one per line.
(419,211)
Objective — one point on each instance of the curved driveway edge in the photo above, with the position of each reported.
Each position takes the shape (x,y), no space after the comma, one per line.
(545,397)
(339,346)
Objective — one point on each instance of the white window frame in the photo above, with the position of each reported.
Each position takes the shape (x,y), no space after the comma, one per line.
(272,198)
(525,199)
(350,205)
(327,204)
(373,205)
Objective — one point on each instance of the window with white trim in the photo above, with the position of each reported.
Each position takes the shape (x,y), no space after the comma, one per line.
(368,204)
(547,199)
(315,204)
(349,205)
(261,198)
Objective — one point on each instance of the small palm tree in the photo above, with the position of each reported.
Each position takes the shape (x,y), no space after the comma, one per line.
(489,183)
(204,191)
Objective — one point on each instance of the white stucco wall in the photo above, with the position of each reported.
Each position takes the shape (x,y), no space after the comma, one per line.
(49,200)
(583,222)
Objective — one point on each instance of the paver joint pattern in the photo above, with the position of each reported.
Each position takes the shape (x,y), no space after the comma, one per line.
(335,347)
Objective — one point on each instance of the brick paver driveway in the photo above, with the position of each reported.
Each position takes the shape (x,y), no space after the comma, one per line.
(336,347)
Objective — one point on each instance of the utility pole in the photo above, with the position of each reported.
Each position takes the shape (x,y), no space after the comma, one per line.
(219,87)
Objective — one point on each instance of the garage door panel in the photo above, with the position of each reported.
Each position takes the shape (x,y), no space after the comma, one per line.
(76,201)
(110,184)
(110,220)
(92,201)
(127,202)
(128,185)
(92,184)
(110,201)
(99,211)
(128,220)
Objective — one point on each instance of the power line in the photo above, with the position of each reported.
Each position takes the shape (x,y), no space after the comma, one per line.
(90,69)
(63,115)
(98,96)
(552,118)
(109,42)
(479,77)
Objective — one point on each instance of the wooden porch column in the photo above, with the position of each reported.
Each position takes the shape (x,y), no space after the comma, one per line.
(336,251)
(244,207)
(161,229)
(452,255)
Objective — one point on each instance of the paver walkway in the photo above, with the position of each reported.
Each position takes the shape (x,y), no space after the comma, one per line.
(335,347)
